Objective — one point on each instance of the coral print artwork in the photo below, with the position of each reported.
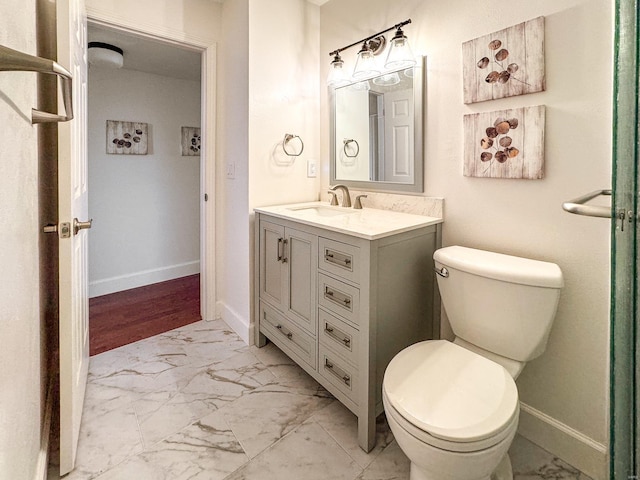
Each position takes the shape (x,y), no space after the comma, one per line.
(126,138)
(505,144)
(505,63)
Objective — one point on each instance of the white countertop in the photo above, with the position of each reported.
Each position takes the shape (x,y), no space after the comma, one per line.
(368,223)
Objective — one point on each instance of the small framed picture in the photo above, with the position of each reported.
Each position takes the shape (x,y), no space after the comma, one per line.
(127,138)
(190,141)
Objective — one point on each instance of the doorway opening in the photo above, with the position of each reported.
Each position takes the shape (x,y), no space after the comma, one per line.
(148,265)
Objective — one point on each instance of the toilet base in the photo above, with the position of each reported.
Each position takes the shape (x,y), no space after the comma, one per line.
(503,472)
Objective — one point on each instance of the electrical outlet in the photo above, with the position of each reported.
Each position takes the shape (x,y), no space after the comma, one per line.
(311,168)
(231,170)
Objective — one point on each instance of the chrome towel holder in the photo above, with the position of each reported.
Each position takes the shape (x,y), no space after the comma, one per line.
(15,61)
(287,138)
(346,142)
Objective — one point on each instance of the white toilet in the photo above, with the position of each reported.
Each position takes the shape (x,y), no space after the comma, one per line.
(453,406)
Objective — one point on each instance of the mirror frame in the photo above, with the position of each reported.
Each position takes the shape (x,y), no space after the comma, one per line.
(419,90)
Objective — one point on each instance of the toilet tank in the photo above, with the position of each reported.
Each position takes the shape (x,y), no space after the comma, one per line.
(500,303)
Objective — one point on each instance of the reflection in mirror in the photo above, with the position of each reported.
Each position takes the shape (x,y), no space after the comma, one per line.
(377,132)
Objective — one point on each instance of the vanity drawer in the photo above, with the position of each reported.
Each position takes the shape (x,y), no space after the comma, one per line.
(339,298)
(338,336)
(338,373)
(340,259)
(290,338)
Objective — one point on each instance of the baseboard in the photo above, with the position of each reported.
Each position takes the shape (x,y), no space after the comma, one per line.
(42,464)
(140,279)
(575,448)
(238,324)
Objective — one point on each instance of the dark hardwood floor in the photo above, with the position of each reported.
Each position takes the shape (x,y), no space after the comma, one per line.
(126,317)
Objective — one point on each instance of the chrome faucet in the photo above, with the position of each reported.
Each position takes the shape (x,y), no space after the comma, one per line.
(346,198)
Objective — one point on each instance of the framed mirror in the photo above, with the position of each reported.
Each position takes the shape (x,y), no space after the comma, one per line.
(377,132)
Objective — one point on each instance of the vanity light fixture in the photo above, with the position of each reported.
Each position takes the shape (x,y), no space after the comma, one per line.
(400,54)
(387,79)
(365,63)
(366,67)
(337,76)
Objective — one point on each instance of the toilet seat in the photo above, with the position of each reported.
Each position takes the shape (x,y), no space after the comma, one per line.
(452,395)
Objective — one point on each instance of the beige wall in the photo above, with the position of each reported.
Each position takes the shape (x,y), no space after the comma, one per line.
(232,198)
(20,394)
(268,86)
(569,382)
(199,19)
(283,98)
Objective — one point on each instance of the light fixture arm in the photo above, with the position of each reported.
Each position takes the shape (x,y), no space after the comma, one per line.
(398,25)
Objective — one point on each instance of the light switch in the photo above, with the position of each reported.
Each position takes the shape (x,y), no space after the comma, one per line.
(311,168)
(231,170)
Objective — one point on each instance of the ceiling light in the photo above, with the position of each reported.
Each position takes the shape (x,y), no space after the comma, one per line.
(105,55)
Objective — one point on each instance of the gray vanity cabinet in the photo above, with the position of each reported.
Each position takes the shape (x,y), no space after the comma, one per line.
(343,306)
(289,261)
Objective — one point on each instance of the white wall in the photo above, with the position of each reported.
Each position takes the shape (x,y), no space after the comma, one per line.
(232,198)
(188,19)
(283,98)
(567,386)
(146,208)
(20,394)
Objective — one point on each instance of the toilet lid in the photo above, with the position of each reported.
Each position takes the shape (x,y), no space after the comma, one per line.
(451,392)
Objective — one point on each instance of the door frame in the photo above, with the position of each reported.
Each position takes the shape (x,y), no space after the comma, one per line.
(207,154)
(624,399)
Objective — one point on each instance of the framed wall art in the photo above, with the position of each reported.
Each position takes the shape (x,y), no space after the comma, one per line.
(506,63)
(127,138)
(191,141)
(505,143)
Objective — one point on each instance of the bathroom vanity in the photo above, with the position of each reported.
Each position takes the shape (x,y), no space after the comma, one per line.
(341,291)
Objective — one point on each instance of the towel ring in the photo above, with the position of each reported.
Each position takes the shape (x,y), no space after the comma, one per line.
(347,142)
(287,138)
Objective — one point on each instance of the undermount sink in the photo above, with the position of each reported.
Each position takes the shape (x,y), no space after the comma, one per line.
(322,210)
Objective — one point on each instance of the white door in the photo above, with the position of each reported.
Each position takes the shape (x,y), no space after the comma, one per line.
(73,207)
(398,154)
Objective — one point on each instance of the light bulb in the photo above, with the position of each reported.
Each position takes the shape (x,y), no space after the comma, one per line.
(365,64)
(400,54)
(337,76)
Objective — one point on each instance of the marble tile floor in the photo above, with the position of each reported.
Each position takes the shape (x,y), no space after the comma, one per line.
(197,403)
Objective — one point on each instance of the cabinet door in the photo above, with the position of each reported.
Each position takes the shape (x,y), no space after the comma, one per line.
(302,261)
(272,267)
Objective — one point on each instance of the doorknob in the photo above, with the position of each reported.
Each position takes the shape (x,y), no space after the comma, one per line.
(77,225)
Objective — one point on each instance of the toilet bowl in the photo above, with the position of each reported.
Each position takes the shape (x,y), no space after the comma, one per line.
(453,406)
(439,422)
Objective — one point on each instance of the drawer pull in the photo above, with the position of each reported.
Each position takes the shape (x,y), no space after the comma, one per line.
(289,335)
(337,258)
(339,336)
(336,297)
(337,372)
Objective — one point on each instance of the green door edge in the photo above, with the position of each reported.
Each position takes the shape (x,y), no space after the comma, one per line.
(624,287)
